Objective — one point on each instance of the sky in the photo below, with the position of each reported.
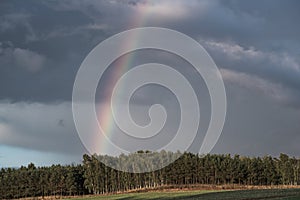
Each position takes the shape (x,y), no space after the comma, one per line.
(255,44)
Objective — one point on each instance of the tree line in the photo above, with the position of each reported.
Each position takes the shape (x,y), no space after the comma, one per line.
(94,177)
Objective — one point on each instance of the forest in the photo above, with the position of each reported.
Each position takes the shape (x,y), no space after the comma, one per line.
(94,177)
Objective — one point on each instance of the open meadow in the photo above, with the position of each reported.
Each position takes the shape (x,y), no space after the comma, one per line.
(278,194)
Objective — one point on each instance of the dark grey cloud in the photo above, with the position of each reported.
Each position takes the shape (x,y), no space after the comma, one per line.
(65,31)
(256,125)
(255,43)
(278,18)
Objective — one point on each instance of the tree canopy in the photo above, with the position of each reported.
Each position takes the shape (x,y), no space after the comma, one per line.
(94,177)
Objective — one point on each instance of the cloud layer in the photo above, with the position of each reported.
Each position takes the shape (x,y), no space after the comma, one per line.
(255,44)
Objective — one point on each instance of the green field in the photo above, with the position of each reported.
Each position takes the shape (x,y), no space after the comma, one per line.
(282,194)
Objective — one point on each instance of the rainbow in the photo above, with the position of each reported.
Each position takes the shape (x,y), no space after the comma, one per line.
(105,117)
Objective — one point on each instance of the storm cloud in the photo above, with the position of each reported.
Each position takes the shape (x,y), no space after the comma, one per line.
(255,44)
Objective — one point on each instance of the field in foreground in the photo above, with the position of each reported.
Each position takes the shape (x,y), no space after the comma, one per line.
(278,194)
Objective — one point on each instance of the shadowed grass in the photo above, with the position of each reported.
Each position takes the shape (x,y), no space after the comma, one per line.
(278,194)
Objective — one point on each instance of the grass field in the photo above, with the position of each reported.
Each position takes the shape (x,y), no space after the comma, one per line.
(278,194)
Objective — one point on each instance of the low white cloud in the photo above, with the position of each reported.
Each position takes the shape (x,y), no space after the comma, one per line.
(235,52)
(23,58)
(172,9)
(256,84)
(28,59)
